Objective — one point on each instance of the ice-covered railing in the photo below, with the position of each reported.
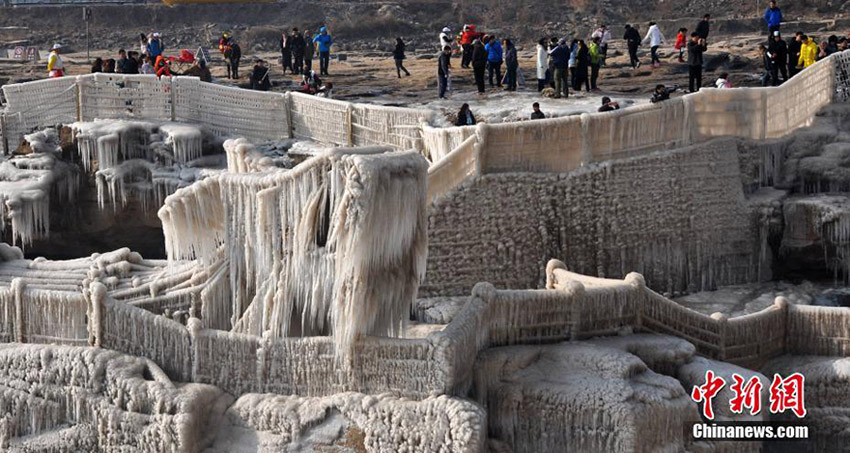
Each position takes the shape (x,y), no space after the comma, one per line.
(339,240)
(223,111)
(748,340)
(119,96)
(563,144)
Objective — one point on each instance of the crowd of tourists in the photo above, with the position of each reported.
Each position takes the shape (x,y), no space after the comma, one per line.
(563,65)
(297,53)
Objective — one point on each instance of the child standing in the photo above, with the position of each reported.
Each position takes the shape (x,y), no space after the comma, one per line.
(681,43)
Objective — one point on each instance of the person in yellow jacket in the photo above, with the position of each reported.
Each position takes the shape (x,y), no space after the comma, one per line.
(808,52)
(55,68)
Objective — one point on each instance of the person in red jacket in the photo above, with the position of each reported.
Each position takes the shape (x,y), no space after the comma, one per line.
(162,67)
(466,38)
(681,43)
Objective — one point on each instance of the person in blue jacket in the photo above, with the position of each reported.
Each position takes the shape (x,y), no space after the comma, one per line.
(324,40)
(494,61)
(155,46)
(773,17)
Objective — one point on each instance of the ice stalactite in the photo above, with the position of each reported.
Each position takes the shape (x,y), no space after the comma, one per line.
(193,221)
(27,185)
(186,141)
(111,141)
(243,157)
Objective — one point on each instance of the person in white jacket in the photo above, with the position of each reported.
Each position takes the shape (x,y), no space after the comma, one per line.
(446,39)
(542,64)
(655,38)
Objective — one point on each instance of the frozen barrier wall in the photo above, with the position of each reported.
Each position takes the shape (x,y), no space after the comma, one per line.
(818,330)
(37,104)
(137,332)
(227,111)
(388,126)
(131,96)
(748,340)
(42,316)
(323,120)
(440,141)
(794,104)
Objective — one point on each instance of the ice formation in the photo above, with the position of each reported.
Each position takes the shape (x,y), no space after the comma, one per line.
(314,251)
(280,318)
(27,184)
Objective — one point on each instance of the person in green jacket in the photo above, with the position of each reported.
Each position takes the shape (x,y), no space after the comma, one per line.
(595,63)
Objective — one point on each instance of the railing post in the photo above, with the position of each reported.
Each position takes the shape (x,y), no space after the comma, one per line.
(586,152)
(79,97)
(550,272)
(782,304)
(348,110)
(5,143)
(194,326)
(723,323)
(638,282)
(287,108)
(172,83)
(18,288)
(576,291)
(96,297)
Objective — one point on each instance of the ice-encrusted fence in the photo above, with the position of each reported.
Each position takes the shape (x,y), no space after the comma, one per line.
(749,340)
(222,110)
(573,307)
(32,315)
(563,144)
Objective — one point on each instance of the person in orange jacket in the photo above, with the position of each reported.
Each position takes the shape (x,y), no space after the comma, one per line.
(808,52)
(162,67)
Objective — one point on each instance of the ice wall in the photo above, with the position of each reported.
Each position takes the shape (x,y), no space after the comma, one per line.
(364,423)
(678,217)
(579,397)
(116,401)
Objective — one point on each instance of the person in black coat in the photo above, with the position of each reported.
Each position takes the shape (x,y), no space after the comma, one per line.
(778,51)
(233,56)
(696,48)
(704,27)
(443,65)
(131,66)
(260,77)
(286,52)
(398,56)
(794,45)
(633,40)
(479,63)
(582,61)
(297,45)
(465,116)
